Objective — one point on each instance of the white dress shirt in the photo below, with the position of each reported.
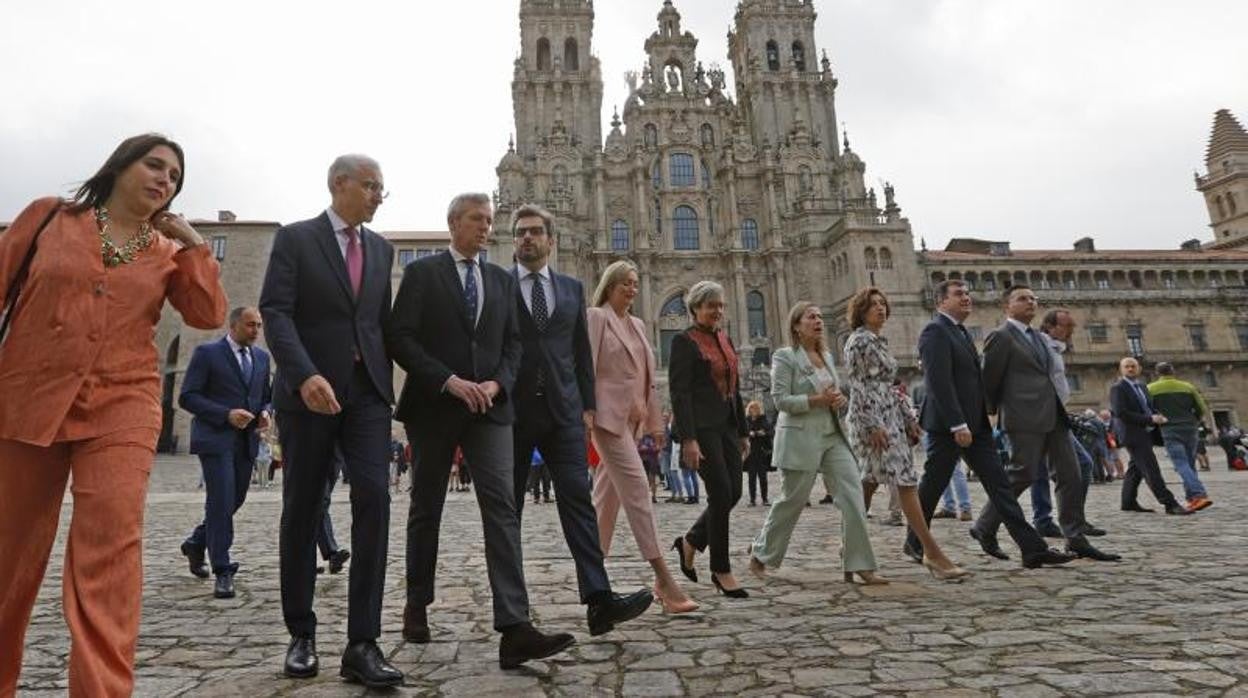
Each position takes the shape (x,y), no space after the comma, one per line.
(340,232)
(235,349)
(462,272)
(548,286)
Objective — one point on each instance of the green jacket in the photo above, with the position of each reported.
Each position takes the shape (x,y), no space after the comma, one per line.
(803,433)
(1178,401)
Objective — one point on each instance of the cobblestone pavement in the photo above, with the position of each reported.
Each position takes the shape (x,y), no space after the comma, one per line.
(1171,619)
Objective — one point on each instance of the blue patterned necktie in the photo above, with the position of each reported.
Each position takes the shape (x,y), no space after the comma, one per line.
(470,292)
(246,357)
(541,315)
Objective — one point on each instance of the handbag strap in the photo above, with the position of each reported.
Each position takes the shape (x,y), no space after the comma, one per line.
(15,286)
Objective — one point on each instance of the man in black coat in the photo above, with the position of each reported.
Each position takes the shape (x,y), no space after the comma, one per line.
(455,330)
(1136,418)
(955,416)
(325,300)
(554,398)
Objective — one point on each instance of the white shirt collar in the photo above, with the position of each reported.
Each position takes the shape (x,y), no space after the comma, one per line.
(459,258)
(1018,325)
(339,224)
(234,346)
(544,272)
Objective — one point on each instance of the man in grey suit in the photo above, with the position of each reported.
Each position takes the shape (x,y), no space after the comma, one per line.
(1019,389)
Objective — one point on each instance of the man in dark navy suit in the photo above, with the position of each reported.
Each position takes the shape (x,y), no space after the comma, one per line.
(227,388)
(955,417)
(554,398)
(454,329)
(325,301)
(1137,417)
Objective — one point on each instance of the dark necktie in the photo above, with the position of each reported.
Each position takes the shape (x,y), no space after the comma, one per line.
(355,260)
(1139,393)
(470,291)
(246,363)
(1037,347)
(541,315)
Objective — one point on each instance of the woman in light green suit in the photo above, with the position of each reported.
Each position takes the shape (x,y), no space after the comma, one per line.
(811,441)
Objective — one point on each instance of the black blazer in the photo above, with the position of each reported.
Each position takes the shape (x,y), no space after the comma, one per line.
(696,402)
(562,351)
(430,337)
(214,385)
(1132,424)
(313,322)
(953,386)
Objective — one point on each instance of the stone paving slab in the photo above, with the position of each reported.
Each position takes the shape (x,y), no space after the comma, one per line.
(1170,619)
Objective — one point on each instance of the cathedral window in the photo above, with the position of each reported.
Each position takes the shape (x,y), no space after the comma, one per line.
(620,238)
(543,54)
(886,258)
(749,234)
(658,216)
(674,307)
(1135,340)
(756,311)
(799,56)
(685,228)
(680,169)
(872,261)
(708,136)
(773,56)
(571,56)
(650,136)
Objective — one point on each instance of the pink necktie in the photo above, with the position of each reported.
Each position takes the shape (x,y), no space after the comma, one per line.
(355,260)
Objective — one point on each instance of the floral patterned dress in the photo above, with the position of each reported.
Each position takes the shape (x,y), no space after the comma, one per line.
(874,403)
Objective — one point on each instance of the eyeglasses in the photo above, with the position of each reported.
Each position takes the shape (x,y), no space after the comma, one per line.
(533,230)
(373,187)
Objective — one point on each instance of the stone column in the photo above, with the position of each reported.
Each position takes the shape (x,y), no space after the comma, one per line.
(743,315)
(600,204)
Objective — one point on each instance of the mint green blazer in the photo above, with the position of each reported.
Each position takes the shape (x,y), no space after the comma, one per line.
(803,433)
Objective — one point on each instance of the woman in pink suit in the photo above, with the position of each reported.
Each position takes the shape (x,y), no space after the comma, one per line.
(627,409)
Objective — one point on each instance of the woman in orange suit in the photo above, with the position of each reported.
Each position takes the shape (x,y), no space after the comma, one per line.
(627,408)
(103,266)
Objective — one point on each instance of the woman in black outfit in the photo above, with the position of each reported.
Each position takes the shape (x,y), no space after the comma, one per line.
(759,462)
(706,403)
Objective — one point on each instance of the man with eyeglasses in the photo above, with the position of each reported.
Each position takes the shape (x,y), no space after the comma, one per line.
(554,398)
(326,293)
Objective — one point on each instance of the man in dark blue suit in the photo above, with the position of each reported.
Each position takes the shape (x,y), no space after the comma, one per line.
(227,388)
(1137,417)
(454,329)
(554,397)
(325,301)
(955,417)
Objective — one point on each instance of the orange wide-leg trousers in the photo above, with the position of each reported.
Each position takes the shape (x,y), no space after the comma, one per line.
(103,572)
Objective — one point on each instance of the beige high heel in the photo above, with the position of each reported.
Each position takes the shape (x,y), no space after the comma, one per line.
(868,577)
(954,574)
(674,608)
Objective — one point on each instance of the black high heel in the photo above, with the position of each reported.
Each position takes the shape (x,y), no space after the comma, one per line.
(738,593)
(689,572)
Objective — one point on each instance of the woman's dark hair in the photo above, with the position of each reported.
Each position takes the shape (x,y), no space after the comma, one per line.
(96,190)
(860,303)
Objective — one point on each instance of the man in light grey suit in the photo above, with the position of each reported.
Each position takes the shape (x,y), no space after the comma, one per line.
(1019,389)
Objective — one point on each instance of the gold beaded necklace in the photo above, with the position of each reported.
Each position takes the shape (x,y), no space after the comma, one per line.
(112,254)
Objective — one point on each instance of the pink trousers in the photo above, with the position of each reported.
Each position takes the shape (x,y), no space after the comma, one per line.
(621,481)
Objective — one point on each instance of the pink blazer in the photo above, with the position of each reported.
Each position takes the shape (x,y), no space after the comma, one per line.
(615,382)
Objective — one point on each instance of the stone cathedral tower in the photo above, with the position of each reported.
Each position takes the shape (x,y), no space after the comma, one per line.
(557,97)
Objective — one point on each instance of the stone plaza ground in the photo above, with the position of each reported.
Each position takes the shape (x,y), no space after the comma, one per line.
(1170,619)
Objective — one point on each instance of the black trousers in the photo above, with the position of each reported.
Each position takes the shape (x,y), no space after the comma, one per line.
(981,456)
(721,471)
(563,449)
(362,429)
(325,540)
(488,448)
(1144,467)
(757,476)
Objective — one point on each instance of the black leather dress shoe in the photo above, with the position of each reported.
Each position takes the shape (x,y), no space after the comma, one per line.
(415,624)
(364,663)
(301,660)
(1179,510)
(1049,530)
(224,588)
(989,544)
(1048,557)
(337,559)
(195,560)
(914,555)
(603,614)
(1095,532)
(1081,547)
(1137,508)
(523,642)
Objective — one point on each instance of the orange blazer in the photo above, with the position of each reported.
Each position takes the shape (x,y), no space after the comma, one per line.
(615,384)
(80,360)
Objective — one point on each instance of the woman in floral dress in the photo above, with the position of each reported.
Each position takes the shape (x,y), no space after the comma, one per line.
(882,427)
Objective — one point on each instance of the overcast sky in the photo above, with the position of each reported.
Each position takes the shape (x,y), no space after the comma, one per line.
(1033,121)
